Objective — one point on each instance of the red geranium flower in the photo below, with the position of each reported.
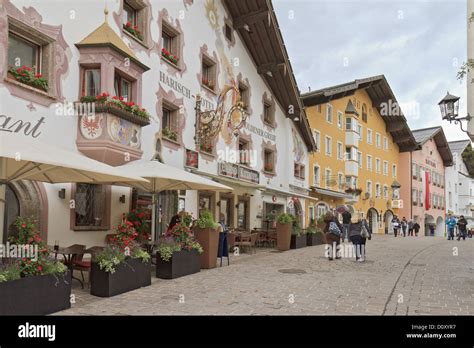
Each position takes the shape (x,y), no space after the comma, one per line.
(23,225)
(128,25)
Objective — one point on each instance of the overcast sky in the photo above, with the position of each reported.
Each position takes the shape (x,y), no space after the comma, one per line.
(418,46)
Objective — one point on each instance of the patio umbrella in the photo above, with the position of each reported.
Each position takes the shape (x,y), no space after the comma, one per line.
(162,177)
(23,158)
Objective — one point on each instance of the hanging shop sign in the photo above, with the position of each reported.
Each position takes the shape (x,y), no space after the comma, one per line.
(11,125)
(235,171)
(192,159)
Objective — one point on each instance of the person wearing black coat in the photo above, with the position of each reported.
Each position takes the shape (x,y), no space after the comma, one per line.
(331,238)
(462,226)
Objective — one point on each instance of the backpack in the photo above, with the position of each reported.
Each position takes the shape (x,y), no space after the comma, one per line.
(334,229)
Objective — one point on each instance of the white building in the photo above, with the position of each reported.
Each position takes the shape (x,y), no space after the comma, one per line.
(170,52)
(470,57)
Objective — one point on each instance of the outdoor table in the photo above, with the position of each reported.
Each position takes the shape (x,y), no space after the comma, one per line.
(69,253)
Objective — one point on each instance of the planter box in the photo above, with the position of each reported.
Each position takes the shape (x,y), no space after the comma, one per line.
(314,239)
(283,236)
(130,275)
(209,240)
(298,241)
(36,295)
(181,263)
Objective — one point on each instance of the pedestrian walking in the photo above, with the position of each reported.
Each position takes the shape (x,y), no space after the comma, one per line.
(346,221)
(333,232)
(410,227)
(395,225)
(416,228)
(462,227)
(359,232)
(451,223)
(404,226)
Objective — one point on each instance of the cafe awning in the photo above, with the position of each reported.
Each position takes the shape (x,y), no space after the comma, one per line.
(331,193)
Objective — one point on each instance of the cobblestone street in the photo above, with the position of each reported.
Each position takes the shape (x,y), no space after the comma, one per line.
(401,276)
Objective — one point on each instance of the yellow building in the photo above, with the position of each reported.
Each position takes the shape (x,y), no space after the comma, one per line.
(359,131)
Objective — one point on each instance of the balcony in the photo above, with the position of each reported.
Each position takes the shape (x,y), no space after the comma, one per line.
(352,138)
(351,168)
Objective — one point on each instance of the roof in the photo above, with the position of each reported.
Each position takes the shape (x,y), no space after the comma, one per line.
(458,146)
(436,133)
(256,23)
(381,94)
(104,35)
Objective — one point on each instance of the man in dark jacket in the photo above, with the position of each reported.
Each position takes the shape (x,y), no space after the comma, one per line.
(346,220)
(416,228)
(462,226)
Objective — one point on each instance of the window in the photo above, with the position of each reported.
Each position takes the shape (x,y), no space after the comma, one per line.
(269,161)
(369,162)
(378,142)
(385,192)
(328,146)
(364,113)
(385,143)
(316,176)
(421,200)
(414,195)
(394,170)
(414,170)
(339,151)
(268,114)
(369,136)
(23,52)
(244,95)
(327,178)
(317,140)
(208,74)
(169,121)
(377,165)
(299,170)
(339,119)
(123,87)
(130,15)
(329,113)
(244,152)
(450,199)
(359,130)
(378,191)
(170,43)
(351,154)
(90,207)
(340,181)
(369,188)
(91,82)
(228,32)
(321,210)
(359,158)
(348,123)
(385,168)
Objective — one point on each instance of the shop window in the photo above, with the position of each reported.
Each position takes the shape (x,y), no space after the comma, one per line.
(244,95)
(91,207)
(91,82)
(244,152)
(123,87)
(170,43)
(208,74)
(269,161)
(169,122)
(268,114)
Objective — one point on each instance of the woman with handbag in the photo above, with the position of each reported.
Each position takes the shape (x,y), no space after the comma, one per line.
(359,232)
(333,232)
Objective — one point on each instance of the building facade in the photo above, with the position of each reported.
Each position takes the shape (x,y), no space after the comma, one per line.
(423,189)
(218,107)
(453,177)
(360,132)
(470,73)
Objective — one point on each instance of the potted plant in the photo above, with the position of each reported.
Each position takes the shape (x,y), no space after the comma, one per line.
(32,284)
(205,232)
(122,266)
(169,134)
(178,253)
(298,237)
(140,219)
(283,229)
(314,235)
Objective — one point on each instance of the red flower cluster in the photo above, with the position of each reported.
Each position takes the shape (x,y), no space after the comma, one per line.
(168,55)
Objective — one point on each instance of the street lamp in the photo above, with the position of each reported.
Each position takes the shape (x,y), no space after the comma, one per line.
(449,107)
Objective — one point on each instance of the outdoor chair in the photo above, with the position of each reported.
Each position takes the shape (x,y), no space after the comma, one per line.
(78,262)
(248,241)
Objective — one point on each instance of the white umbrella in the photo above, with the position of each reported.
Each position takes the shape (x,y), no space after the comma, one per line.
(23,158)
(163,177)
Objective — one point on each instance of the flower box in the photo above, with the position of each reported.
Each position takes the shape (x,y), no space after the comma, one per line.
(129,275)
(28,78)
(133,30)
(297,242)
(209,240)
(182,263)
(314,239)
(36,295)
(169,56)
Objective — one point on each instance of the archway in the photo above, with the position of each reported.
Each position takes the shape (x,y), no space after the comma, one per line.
(372,218)
(387,218)
(28,199)
(439,232)
(429,221)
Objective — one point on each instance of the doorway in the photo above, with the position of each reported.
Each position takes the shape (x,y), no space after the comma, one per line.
(226,203)
(12,211)
(243,214)
(372,216)
(387,218)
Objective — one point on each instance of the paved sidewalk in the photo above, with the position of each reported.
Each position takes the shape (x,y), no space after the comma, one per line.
(412,275)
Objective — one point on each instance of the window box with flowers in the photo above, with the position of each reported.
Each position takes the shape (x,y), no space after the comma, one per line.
(178,253)
(33,285)
(208,83)
(206,147)
(170,57)
(133,30)
(27,76)
(169,134)
(122,266)
(269,168)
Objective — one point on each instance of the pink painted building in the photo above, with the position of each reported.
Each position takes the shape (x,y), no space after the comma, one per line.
(422,186)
